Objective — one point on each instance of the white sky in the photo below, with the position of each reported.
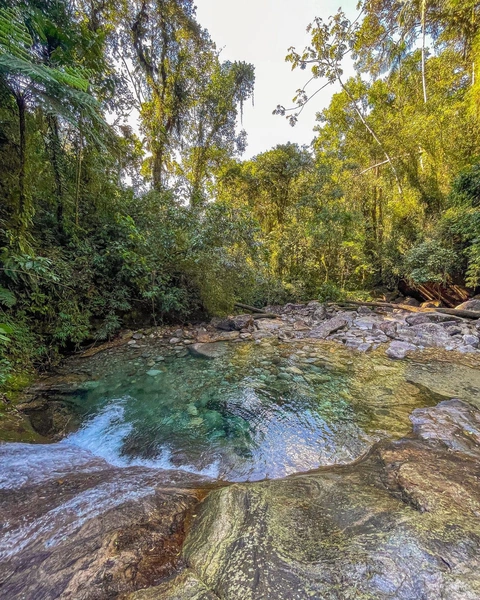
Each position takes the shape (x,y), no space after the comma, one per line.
(260,32)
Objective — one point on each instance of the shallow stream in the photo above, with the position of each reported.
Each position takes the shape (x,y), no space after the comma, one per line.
(256,411)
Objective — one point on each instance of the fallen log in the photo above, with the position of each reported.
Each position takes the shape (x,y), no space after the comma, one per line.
(252,309)
(465,314)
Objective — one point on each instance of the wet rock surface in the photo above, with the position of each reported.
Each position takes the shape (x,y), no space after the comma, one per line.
(75,527)
(402,524)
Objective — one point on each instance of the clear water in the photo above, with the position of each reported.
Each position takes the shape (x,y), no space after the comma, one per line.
(259,411)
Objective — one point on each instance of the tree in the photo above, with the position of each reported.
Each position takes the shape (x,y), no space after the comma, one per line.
(58,90)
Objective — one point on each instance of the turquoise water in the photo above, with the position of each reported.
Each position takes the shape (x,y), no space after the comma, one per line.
(257,411)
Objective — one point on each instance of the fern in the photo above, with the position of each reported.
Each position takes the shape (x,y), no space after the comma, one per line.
(63,91)
(7,298)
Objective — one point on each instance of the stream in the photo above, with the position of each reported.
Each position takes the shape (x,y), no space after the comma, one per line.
(254,412)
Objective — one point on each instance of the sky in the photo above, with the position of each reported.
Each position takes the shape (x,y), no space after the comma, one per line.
(260,32)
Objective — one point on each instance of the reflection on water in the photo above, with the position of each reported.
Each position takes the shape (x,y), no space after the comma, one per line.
(258,411)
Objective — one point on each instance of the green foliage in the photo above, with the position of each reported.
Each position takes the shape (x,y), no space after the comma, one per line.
(429,262)
(103,227)
(329,292)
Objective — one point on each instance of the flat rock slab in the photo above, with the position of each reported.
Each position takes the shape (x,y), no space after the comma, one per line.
(184,587)
(447,381)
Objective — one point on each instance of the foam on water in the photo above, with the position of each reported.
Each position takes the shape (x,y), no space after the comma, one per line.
(104,434)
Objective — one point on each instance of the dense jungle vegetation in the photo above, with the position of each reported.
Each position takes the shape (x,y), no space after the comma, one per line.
(104,225)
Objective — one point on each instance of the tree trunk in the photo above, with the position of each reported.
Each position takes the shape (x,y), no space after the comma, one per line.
(55,151)
(157,164)
(22,154)
(78,179)
(424,80)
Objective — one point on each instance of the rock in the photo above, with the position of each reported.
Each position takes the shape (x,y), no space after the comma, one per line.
(154,372)
(453,329)
(175,340)
(233,323)
(403,524)
(268,324)
(471,340)
(408,301)
(417,319)
(398,350)
(424,334)
(178,333)
(364,310)
(217,337)
(209,350)
(319,313)
(328,327)
(294,370)
(301,326)
(186,586)
(366,323)
(473,305)
(138,336)
(453,422)
(85,529)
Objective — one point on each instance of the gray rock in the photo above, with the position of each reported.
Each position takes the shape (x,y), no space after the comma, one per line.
(417,319)
(175,340)
(398,350)
(328,327)
(473,305)
(208,350)
(453,329)
(471,340)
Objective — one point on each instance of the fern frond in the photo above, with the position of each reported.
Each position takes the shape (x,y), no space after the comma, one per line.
(7,298)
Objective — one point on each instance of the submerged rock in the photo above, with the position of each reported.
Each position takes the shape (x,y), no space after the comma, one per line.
(208,350)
